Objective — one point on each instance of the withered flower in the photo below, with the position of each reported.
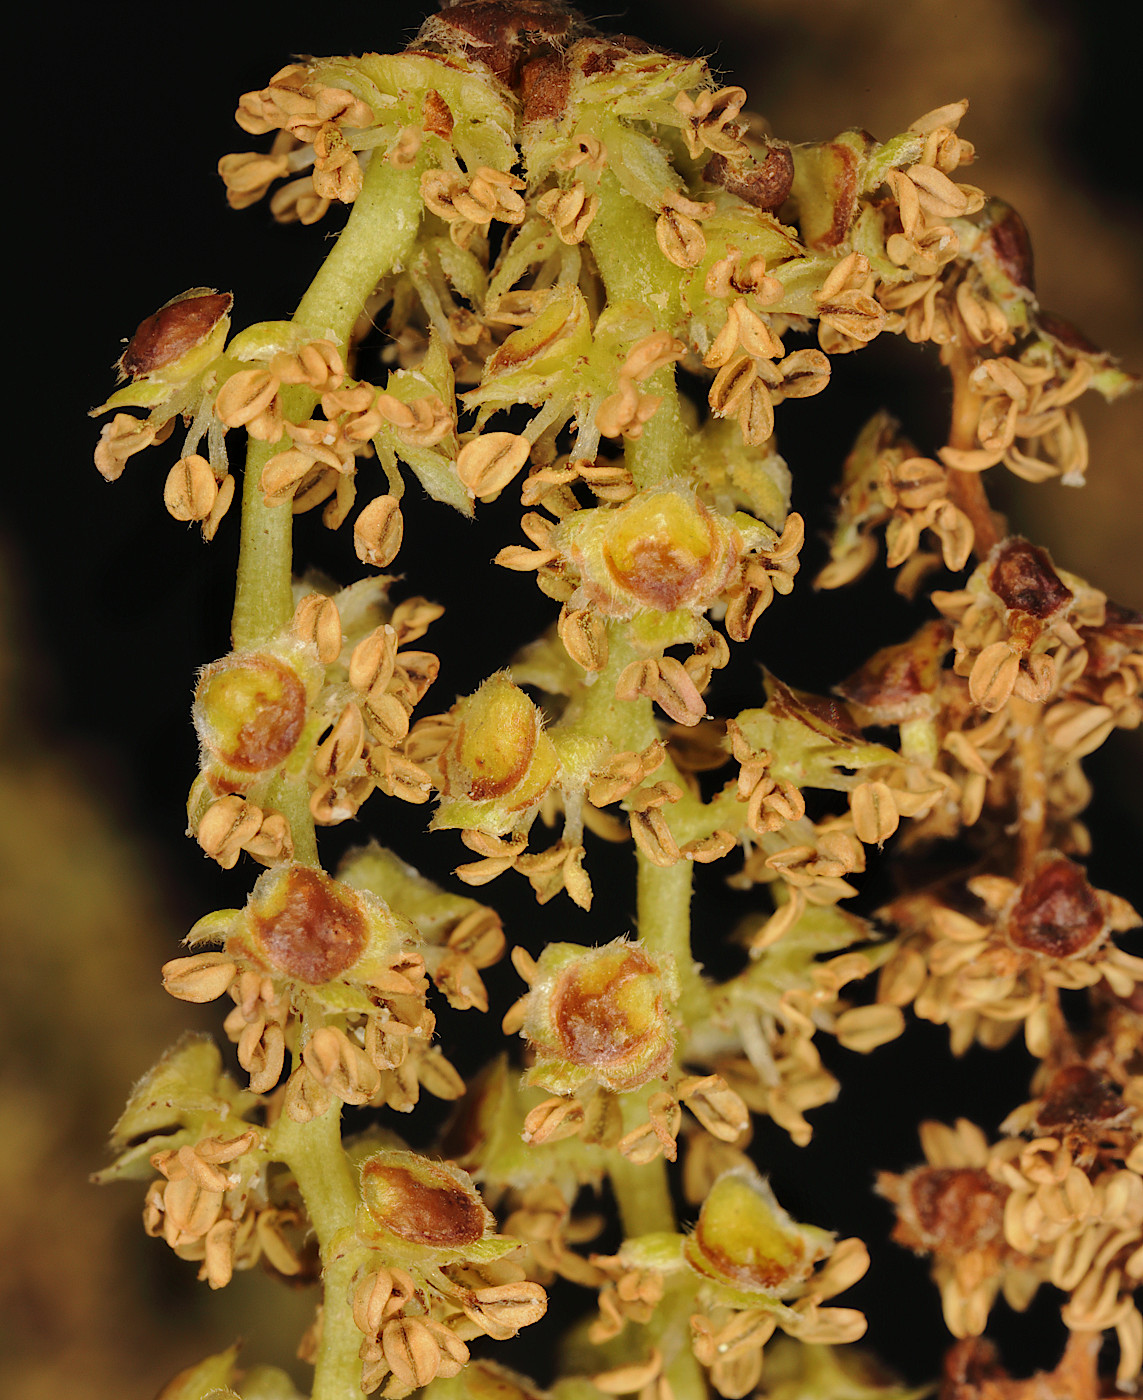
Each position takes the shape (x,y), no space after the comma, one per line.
(307,942)
(599,1015)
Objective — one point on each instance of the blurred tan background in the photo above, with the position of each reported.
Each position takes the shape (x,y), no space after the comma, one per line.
(93,892)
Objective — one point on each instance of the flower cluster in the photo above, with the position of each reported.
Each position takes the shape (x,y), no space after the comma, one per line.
(565,239)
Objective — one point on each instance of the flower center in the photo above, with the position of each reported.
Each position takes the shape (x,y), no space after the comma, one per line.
(249,712)
(1057,913)
(437,1211)
(308,926)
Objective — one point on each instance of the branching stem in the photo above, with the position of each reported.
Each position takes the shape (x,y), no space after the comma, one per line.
(379,233)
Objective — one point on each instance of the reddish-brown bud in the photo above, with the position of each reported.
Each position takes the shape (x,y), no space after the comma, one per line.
(181,325)
(1057,913)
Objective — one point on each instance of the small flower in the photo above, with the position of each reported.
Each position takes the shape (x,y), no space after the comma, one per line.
(984,976)
(250,711)
(953,1210)
(307,943)
(1016,624)
(497,762)
(599,1015)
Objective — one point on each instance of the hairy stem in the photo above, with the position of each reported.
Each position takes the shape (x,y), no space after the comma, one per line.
(967,488)
(622,238)
(314,1154)
(379,233)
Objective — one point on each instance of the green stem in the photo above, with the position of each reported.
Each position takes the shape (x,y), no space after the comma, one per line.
(313,1152)
(641,1192)
(622,239)
(379,234)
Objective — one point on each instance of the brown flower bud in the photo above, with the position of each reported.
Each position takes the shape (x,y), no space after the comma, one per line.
(249,710)
(1056,914)
(427,1204)
(181,326)
(306,925)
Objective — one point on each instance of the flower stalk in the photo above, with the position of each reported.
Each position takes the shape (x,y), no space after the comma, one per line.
(547,223)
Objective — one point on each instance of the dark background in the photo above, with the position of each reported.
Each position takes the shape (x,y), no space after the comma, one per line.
(109,606)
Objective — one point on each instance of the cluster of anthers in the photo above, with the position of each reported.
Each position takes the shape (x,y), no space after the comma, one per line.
(1056,1201)
(553,223)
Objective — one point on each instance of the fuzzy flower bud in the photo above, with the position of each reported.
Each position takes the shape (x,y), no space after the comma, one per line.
(599,1014)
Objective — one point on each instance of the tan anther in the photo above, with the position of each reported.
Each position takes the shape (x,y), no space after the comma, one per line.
(804,373)
(496,195)
(754,335)
(246,399)
(226,827)
(297,202)
(706,849)
(120,439)
(340,1066)
(262,111)
(465,326)
(625,1380)
(711,121)
(667,683)
(378,531)
(412,1351)
(261,1052)
(875,815)
(865,1028)
(316,620)
(249,174)
(651,353)
(626,411)
(584,634)
(318,364)
(497,856)
(940,197)
(649,826)
(756,414)
(337,171)
(378,1296)
(569,211)
(852,313)
(488,463)
(731,385)
(432,420)
(189,1211)
(583,149)
(283,473)
(554,1120)
(339,105)
(656,1137)
(272,842)
(373,659)
(190,489)
(993,676)
(406,147)
(607,480)
(717,1107)
(200,978)
(501,1310)
(680,239)
(387,718)
(343,746)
